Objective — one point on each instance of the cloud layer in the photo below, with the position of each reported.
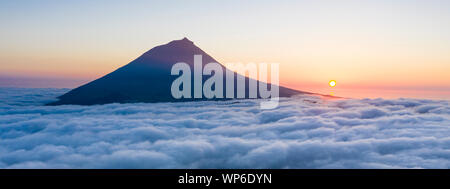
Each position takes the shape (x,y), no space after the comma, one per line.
(304,132)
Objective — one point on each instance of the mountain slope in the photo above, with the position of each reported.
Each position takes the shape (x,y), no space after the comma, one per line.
(146,79)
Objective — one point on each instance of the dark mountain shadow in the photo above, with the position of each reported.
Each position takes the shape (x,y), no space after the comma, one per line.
(148,79)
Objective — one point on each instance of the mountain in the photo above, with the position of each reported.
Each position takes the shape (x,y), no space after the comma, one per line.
(147,78)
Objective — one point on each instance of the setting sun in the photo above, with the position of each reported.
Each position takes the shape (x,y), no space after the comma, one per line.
(332,83)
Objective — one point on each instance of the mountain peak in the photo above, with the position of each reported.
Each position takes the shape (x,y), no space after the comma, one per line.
(173,50)
(184,41)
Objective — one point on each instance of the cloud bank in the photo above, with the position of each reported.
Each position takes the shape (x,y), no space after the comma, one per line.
(303,132)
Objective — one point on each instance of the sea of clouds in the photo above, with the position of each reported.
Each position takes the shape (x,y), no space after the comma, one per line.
(303,132)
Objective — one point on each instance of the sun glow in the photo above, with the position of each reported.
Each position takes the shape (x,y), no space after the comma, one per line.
(332,83)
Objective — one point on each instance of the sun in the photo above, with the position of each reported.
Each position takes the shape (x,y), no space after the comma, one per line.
(332,83)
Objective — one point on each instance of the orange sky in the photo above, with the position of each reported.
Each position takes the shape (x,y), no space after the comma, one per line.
(370,45)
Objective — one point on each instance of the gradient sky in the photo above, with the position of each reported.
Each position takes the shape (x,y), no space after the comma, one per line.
(366,46)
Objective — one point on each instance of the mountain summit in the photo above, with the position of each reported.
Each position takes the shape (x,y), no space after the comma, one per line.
(146,79)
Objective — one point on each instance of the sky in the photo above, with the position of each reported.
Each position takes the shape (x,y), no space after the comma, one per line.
(371,48)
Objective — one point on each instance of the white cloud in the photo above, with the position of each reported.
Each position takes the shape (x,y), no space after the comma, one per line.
(304,132)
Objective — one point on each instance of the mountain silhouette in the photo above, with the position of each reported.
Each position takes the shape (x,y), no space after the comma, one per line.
(147,78)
